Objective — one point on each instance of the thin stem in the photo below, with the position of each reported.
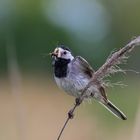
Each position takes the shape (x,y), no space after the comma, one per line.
(70,116)
(63,128)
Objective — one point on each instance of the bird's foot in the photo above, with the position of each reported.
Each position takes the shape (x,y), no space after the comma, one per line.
(70,114)
(78,101)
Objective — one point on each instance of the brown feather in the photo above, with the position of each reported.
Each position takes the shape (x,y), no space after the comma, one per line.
(84,65)
(102,90)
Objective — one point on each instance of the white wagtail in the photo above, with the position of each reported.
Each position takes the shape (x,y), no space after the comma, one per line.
(72,74)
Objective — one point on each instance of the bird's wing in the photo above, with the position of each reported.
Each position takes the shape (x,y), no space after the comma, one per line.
(83,66)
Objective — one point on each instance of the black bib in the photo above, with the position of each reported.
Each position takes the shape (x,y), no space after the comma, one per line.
(60,67)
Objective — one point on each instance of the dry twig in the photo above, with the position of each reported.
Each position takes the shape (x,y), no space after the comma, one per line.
(109,67)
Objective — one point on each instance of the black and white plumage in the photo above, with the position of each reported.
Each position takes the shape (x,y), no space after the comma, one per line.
(72,74)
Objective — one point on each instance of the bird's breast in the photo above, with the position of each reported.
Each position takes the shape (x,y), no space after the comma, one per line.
(74,84)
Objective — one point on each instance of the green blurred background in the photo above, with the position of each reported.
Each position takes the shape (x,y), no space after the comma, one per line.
(31,105)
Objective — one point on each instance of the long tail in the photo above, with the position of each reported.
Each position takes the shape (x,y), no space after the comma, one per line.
(114,110)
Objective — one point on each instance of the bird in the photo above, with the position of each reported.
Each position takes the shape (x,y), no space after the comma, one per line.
(73,73)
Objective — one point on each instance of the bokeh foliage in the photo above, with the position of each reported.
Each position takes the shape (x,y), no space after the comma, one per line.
(27,22)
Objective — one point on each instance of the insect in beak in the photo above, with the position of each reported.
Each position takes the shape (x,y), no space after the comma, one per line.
(56,53)
(53,54)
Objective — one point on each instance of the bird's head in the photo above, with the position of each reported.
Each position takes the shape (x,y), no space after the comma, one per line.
(62,52)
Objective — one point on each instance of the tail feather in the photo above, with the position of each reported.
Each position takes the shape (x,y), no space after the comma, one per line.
(114,110)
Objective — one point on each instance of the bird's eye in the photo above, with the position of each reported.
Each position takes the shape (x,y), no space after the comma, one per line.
(64,52)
